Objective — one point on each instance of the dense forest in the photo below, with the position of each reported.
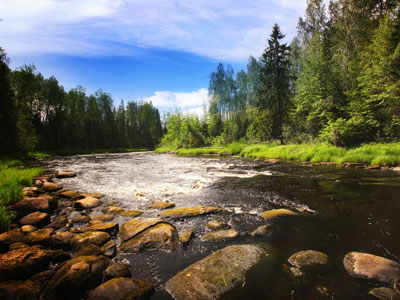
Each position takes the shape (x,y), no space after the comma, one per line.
(37,113)
(337,82)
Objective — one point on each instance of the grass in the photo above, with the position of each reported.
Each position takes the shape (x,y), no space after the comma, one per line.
(47,154)
(370,154)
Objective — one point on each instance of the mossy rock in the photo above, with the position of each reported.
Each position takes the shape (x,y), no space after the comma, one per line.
(216,225)
(103,218)
(112,210)
(20,290)
(87,202)
(275,213)
(131,213)
(311,261)
(39,237)
(162,205)
(80,240)
(116,271)
(137,225)
(185,236)
(190,212)
(36,218)
(261,230)
(110,228)
(9,237)
(220,235)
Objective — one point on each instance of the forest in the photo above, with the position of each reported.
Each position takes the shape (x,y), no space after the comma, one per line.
(337,82)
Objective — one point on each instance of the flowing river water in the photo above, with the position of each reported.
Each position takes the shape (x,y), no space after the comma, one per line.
(340,210)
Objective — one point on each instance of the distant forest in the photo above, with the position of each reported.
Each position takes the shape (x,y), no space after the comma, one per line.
(37,113)
(337,82)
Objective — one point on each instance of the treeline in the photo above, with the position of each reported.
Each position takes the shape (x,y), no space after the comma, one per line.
(338,82)
(37,113)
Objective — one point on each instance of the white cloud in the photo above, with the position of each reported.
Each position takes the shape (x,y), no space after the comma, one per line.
(183,100)
(228,30)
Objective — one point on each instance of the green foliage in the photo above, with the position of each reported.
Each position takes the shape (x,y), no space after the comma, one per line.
(5,219)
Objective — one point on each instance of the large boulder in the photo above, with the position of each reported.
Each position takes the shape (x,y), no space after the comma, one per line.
(275,213)
(190,212)
(122,289)
(88,202)
(310,261)
(31,204)
(371,267)
(80,240)
(75,277)
(219,273)
(27,290)
(147,233)
(23,262)
(220,235)
(36,218)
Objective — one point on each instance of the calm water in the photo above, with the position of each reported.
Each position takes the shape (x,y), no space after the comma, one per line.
(340,209)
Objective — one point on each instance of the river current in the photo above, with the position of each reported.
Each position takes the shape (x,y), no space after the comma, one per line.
(340,210)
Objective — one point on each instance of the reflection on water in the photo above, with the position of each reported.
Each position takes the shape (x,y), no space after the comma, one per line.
(340,209)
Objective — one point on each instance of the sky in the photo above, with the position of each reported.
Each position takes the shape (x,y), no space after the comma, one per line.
(156,50)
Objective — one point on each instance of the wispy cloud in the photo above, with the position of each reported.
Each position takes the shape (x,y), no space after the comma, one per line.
(227,30)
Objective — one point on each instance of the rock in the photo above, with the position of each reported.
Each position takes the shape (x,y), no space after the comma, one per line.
(371,267)
(113,210)
(131,213)
(353,165)
(103,218)
(65,174)
(384,293)
(36,218)
(121,289)
(70,195)
(220,235)
(109,249)
(76,276)
(88,202)
(42,278)
(24,262)
(162,205)
(137,225)
(59,222)
(94,237)
(60,257)
(28,228)
(190,212)
(310,261)
(110,228)
(39,237)
(80,219)
(90,249)
(93,222)
(30,191)
(185,237)
(218,273)
(373,167)
(31,204)
(95,195)
(61,239)
(261,231)
(274,213)
(28,290)
(298,276)
(18,245)
(50,187)
(9,237)
(117,270)
(216,225)
(66,211)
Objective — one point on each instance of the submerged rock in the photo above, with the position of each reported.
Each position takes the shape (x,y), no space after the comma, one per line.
(215,225)
(190,212)
(122,289)
(384,293)
(94,237)
(185,236)
(372,267)
(162,205)
(261,231)
(274,213)
(310,261)
(65,174)
(88,202)
(36,218)
(220,235)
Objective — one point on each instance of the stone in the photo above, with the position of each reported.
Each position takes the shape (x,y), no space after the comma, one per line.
(50,187)
(220,235)
(371,267)
(93,237)
(137,225)
(217,274)
(28,290)
(216,225)
(131,213)
(261,230)
(373,167)
(28,228)
(90,249)
(162,205)
(185,236)
(110,228)
(109,249)
(60,257)
(70,195)
(353,165)
(190,212)
(30,191)
(384,293)
(31,204)
(65,174)
(39,237)
(122,289)
(75,277)
(103,218)
(88,202)
(42,278)
(23,262)
(93,222)
(9,237)
(95,195)
(310,261)
(274,213)
(117,270)
(61,239)
(59,222)
(113,210)
(36,218)
(80,219)
(18,245)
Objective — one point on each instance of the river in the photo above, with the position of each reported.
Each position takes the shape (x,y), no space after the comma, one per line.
(340,210)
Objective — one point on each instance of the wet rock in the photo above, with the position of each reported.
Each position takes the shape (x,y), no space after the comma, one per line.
(65,174)
(59,222)
(94,237)
(80,219)
(18,245)
(37,219)
(137,225)
(372,267)
(93,222)
(88,202)
(27,290)
(109,249)
(24,262)
(110,228)
(298,277)
(39,237)
(66,211)
(50,187)
(30,191)
(28,228)
(185,236)
(261,231)
(60,257)
(162,205)
(90,249)
(70,195)
(113,210)
(9,237)
(42,278)
(131,213)
(121,289)
(220,235)
(61,239)
(76,276)
(311,261)
(218,273)
(353,165)
(384,293)
(31,204)
(216,225)
(95,195)
(373,167)
(116,271)
(103,218)
(274,213)
(190,212)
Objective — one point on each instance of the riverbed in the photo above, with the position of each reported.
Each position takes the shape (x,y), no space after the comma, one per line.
(339,210)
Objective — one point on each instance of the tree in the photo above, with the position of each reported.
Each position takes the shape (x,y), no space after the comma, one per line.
(274,92)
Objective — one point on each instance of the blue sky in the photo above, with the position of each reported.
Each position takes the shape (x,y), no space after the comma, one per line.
(157,50)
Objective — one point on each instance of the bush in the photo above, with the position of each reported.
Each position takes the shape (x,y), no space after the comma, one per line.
(5,219)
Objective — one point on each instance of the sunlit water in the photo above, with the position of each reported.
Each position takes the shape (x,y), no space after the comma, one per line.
(340,209)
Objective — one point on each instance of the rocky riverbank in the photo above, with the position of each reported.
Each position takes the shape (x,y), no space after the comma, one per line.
(66,245)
